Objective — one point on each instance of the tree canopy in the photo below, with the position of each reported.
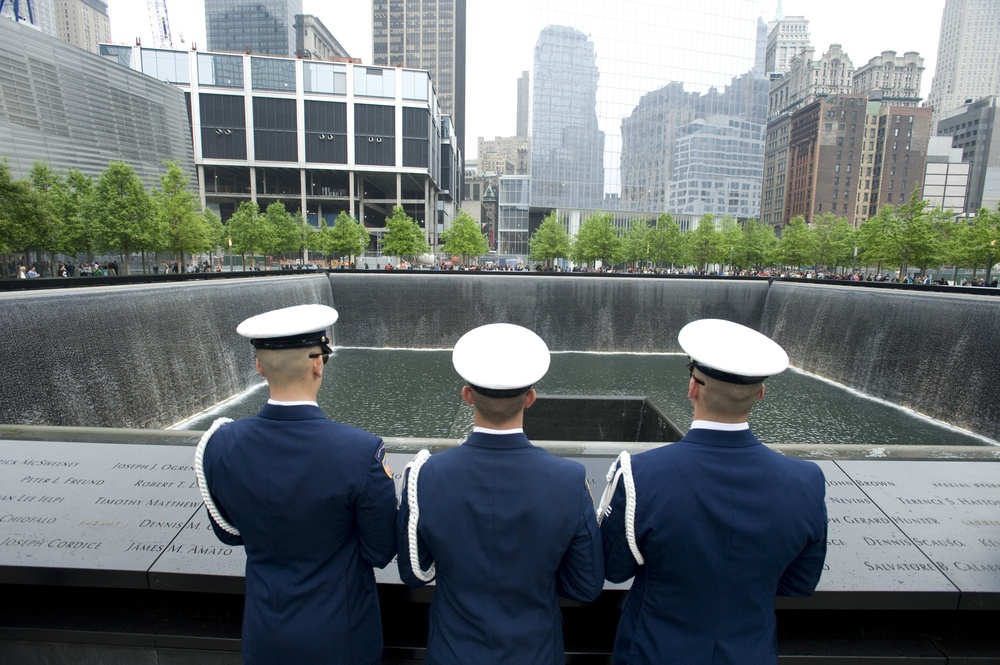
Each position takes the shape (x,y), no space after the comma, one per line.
(464,238)
(403,236)
(597,240)
(550,241)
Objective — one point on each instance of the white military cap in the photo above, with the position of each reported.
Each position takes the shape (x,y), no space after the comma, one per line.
(500,359)
(731,352)
(295,327)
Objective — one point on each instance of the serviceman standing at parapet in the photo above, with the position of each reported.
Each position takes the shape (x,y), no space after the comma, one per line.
(504,527)
(309,499)
(713,526)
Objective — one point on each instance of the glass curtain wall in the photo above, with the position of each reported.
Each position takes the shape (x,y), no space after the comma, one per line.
(614,84)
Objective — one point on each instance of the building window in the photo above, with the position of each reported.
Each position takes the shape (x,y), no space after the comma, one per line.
(272,74)
(374,82)
(223,127)
(374,135)
(324,77)
(223,71)
(416,137)
(326,132)
(274,133)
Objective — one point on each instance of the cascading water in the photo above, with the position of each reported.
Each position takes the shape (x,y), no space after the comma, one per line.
(134,356)
(150,356)
(935,353)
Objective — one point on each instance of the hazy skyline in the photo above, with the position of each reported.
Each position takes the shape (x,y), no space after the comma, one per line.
(501,39)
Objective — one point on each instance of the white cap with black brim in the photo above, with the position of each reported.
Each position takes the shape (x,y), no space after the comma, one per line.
(297,327)
(500,359)
(730,352)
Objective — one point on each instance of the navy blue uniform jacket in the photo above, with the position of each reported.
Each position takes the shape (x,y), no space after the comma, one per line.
(315,510)
(724,524)
(510,527)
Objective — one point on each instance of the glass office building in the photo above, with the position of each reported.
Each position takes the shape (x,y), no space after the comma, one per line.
(265,27)
(623,81)
(321,137)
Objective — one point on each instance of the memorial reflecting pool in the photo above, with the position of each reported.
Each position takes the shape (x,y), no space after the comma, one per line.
(407,393)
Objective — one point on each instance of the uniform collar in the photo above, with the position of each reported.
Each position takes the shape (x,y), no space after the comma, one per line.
(729,439)
(509,439)
(721,427)
(290,412)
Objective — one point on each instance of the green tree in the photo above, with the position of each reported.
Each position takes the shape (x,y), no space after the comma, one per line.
(286,231)
(637,243)
(729,240)
(797,246)
(184,229)
(665,242)
(756,246)
(982,241)
(597,240)
(550,241)
(47,227)
(249,232)
(703,242)
(403,236)
(216,232)
(73,196)
(123,211)
(18,202)
(347,237)
(834,241)
(872,234)
(464,238)
(910,237)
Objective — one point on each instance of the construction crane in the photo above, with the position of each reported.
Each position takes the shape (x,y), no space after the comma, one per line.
(160,23)
(17,10)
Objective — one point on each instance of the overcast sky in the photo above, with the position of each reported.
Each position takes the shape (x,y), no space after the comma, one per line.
(501,39)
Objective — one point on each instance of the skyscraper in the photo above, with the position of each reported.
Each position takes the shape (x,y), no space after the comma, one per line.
(265,27)
(426,34)
(967,64)
(83,23)
(523,93)
(567,146)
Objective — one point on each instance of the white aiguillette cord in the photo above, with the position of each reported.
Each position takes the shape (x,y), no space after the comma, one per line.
(412,472)
(199,472)
(624,471)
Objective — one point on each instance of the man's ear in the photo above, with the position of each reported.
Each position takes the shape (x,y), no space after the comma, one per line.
(467,394)
(529,398)
(760,393)
(256,362)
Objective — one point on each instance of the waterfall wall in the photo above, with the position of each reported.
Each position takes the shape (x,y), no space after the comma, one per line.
(149,356)
(569,312)
(935,353)
(134,356)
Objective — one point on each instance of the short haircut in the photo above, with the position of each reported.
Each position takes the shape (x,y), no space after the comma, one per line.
(498,409)
(284,366)
(729,399)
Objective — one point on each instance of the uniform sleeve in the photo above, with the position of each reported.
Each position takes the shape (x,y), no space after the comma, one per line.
(220,533)
(619,563)
(802,575)
(403,544)
(581,572)
(375,512)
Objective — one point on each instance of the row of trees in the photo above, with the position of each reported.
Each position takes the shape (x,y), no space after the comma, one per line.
(73,214)
(911,235)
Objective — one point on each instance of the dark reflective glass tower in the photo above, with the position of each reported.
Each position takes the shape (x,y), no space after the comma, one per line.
(265,27)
